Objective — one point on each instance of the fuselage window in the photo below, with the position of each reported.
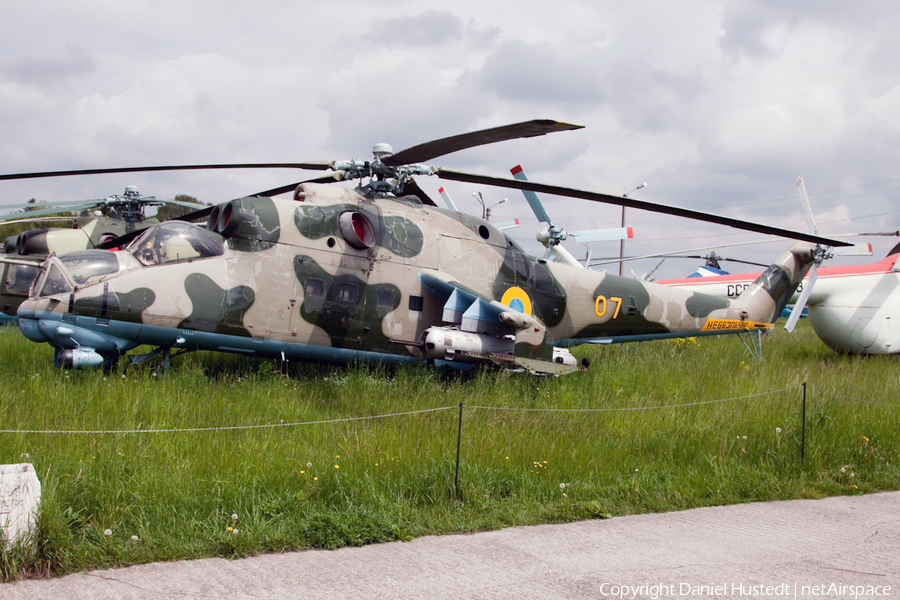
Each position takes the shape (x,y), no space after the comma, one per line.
(347,293)
(386,298)
(315,288)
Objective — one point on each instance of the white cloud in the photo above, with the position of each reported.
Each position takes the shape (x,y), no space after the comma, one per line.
(718,104)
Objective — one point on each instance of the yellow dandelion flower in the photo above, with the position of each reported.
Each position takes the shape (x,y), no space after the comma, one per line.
(337,466)
(315,478)
(231,529)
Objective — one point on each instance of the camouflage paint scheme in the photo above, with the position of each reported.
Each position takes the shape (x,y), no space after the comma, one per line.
(341,277)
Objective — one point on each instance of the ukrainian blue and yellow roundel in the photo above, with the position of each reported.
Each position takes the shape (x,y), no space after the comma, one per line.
(517,299)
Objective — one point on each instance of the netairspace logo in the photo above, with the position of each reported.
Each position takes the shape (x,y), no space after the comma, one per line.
(737,590)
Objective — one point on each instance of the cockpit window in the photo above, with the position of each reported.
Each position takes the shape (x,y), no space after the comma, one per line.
(89,263)
(174,241)
(55,282)
(19,279)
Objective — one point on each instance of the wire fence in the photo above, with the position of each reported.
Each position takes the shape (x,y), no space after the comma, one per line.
(460,407)
(227,428)
(431,410)
(388,415)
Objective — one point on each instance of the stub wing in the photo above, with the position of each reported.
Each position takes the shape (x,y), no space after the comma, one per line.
(482,330)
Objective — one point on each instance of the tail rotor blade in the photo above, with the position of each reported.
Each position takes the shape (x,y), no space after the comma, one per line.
(447,200)
(533,201)
(801,302)
(602,235)
(804,201)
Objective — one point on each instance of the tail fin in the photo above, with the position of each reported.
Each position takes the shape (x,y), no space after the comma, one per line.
(764,299)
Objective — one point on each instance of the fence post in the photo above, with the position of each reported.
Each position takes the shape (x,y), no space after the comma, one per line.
(803,429)
(458,442)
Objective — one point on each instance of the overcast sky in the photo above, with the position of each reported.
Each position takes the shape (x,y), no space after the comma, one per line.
(717,105)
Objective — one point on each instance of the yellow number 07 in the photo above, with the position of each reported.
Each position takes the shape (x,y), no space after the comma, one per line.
(600,305)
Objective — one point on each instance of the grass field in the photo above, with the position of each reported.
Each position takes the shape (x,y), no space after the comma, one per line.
(144,468)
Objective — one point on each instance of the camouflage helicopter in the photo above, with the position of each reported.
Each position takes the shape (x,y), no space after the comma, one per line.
(377,274)
(108,219)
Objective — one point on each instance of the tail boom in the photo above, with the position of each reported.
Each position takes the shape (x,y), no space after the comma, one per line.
(764,299)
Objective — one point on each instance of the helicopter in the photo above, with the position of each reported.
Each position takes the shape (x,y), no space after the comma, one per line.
(850,307)
(109,219)
(375,274)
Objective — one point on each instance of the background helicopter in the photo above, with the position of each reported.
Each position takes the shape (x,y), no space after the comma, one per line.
(377,274)
(850,307)
(100,221)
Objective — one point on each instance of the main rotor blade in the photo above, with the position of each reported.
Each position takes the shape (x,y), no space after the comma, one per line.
(737,260)
(632,203)
(50,211)
(197,214)
(45,205)
(39,219)
(311,166)
(178,203)
(433,149)
(122,240)
(411,187)
(333,177)
(607,261)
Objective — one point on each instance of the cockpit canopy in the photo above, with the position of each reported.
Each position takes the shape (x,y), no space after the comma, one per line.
(174,241)
(83,267)
(169,242)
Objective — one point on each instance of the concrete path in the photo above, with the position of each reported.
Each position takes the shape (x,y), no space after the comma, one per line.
(847,547)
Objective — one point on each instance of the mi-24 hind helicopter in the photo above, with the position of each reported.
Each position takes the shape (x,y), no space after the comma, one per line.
(374,274)
(107,219)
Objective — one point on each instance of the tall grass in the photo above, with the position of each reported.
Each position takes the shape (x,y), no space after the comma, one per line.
(311,460)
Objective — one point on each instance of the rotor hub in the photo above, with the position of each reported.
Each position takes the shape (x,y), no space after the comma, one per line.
(382,150)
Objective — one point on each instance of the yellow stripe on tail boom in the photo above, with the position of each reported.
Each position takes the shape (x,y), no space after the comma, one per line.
(734,324)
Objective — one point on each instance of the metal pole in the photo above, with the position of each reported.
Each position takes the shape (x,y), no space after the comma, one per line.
(803,430)
(458,443)
(622,244)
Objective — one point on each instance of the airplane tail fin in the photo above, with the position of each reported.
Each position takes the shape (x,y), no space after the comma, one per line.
(764,299)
